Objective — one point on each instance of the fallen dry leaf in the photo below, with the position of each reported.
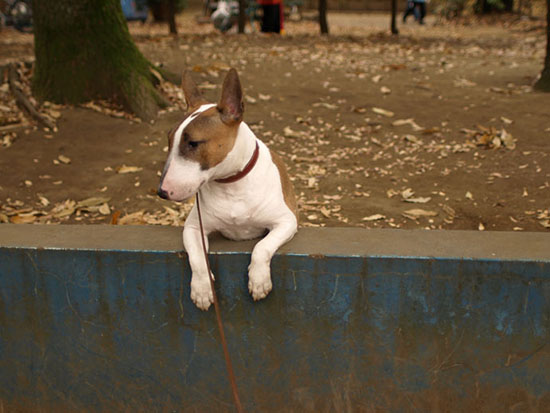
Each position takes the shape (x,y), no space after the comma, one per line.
(316,170)
(430,131)
(128,169)
(409,121)
(383,112)
(64,209)
(66,160)
(325,105)
(374,217)
(412,139)
(93,201)
(449,211)
(390,193)
(132,219)
(23,219)
(289,133)
(407,193)
(491,137)
(325,211)
(114,217)
(462,82)
(507,139)
(418,213)
(418,200)
(104,209)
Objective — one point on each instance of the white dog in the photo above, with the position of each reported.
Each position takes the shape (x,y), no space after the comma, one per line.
(243,187)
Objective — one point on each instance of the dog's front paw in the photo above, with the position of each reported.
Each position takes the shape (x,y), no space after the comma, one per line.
(259,281)
(201,292)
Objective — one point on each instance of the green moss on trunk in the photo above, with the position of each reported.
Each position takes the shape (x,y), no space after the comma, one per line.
(84,51)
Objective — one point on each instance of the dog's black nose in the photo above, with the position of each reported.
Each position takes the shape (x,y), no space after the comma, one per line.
(162,193)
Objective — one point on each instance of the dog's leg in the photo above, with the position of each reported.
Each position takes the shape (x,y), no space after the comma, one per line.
(259,271)
(201,291)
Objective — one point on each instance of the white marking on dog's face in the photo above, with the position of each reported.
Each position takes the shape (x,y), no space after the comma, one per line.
(182,177)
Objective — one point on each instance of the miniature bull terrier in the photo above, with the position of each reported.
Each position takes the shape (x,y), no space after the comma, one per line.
(243,188)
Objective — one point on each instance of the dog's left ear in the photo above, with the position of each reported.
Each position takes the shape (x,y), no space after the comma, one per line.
(231,105)
(193,96)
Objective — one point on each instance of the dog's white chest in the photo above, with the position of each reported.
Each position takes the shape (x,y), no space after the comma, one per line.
(237,221)
(237,214)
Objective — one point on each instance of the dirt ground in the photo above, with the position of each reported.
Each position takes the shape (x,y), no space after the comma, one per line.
(437,128)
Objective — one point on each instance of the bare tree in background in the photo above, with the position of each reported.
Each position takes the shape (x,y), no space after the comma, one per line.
(172,17)
(394,17)
(543,84)
(323,23)
(242,15)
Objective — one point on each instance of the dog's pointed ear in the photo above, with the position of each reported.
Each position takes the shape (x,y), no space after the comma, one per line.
(193,95)
(231,105)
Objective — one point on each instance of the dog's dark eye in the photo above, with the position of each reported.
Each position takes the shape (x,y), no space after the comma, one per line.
(191,144)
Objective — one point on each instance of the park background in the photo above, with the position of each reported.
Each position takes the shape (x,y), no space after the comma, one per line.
(437,127)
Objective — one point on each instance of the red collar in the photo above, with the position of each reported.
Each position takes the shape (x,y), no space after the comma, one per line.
(245,171)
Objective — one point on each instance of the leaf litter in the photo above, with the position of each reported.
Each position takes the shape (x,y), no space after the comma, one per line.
(373,150)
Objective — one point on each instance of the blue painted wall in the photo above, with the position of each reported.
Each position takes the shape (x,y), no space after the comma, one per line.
(116,331)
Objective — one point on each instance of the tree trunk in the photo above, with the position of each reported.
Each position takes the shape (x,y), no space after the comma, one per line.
(394,17)
(172,17)
(242,16)
(323,24)
(508,6)
(543,84)
(84,51)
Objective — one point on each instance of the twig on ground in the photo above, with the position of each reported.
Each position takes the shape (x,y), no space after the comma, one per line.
(22,100)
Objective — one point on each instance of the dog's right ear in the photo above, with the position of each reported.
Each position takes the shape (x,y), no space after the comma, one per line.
(231,105)
(193,95)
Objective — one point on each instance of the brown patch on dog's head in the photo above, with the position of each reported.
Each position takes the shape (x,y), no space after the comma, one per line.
(209,137)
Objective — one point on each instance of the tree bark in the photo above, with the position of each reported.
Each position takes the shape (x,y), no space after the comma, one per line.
(172,17)
(84,51)
(323,23)
(543,84)
(394,17)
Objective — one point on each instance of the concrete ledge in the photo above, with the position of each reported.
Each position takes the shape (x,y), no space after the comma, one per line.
(530,246)
(98,318)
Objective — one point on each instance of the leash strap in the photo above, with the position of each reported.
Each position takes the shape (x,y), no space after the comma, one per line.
(228,363)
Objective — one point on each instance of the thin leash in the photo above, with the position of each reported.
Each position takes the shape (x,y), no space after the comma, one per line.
(228,363)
